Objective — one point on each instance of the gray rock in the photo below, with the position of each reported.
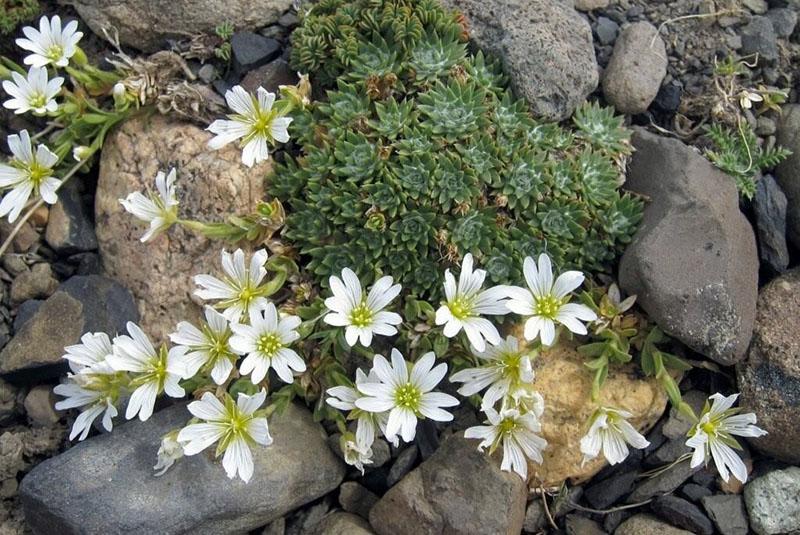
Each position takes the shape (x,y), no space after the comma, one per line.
(270,76)
(663,483)
(644,524)
(69,228)
(37,283)
(207,73)
(759,37)
(535,517)
(145,24)
(276,527)
(25,311)
(580,525)
(342,524)
(773,502)
(81,304)
(10,399)
(668,99)
(590,5)
(458,489)
(682,514)
(636,69)
(402,465)
(602,494)
(606,30)
(769,379)
(788,171)
(669,452)
(39,406)
(678,424)
(546,49)
(106,484)
(783,21)
(759,7)
(693,262)
(766,126)
(770,205)
(695,492)
(727,512)
(356,498)
(250,50)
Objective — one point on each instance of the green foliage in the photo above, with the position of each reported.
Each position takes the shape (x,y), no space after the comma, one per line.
(14,12)
(738,153)
(421,154)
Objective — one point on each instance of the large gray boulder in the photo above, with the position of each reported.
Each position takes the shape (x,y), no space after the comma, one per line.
(693,262)
(546,49)
(106,484)
(773,502)
(146,24)
(788,172)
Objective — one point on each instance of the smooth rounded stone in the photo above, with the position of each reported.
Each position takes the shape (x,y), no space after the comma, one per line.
(727,512)
(693,262)
(773,502)
(580,525)
(644,524)
(457,490)
(250,50)
(356,498)
(589,5)
(39,406)
(759,37)
(147,24)
(695,492)
(535,517)
(38,283)
(769,379)
(788,171)
(107,484)
(770,206)
(603,494)
(270,76)
(211,185)
(564,383)
(546,48)
(343,524)
(69,228)
(606,30)
(683,514)
(638,65)
(783,21)
(81,304)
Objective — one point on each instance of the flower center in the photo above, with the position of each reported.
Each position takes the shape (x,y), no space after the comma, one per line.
(246,295)
(507,426)
(709,428)
(408,396)
(54,52)
(361,316)
(547,307)
(460,307)
(37,100)
(37,173)
(268,344)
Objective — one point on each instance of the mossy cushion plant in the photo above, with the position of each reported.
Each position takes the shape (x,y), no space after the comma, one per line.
(420,154)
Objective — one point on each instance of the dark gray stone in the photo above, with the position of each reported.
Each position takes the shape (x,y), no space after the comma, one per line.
(81,304)
(606,30)
(727,512)
(769,379)
(546,48)
(773,502)
(535,517)
(695,492)
(669,452)
(25,312)
(580,525)
(769,205)
(69,227)
(357,499)
(402,465)
(207,73)
(783,21)
(682,514)
(663,483)
(270,76)
(693,262)
(668,99)
(106,484)
(342,524)
(604,493)
(250,50)
(788,171)
(759,37)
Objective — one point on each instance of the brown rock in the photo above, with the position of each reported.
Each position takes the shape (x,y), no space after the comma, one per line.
(270,76)
(343,524)
(644,524)
(211,185)
(457,490)
(770,377)
(38,283)
(39,406)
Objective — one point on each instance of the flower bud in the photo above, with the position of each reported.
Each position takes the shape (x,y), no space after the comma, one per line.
(119,94)
(81,153)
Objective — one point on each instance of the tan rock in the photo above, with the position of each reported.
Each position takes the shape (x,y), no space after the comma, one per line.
(566,384)
(210,186)
(644,524)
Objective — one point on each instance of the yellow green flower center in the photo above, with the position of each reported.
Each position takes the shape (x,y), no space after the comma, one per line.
(710,428)
(547,307)
(361,316)
(37,100)
(460,307)
(37,173)
(507,426)
(236,426)
(269,344)
(54,52)
(408,396)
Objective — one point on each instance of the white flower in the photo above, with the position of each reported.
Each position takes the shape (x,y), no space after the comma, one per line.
(746,98)
(81,153)
(547,303)
(356,454)
(90,354)
(266,343)
(159,371)
(240,292)
(234,425)
(169,451)
(209,346)
(713,436)
(97,402)
(507,371)
(255,122)
(362,313)
(161,210)
(50,44)
(517,434)
(28,172)
(406,397)
(466,303)
(34,93)
(610,431)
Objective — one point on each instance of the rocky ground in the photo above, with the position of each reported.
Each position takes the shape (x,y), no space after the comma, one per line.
(719,274)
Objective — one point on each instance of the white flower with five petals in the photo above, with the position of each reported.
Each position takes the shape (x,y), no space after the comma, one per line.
(29,172)
(32,93)
(234,425)
(241,291)
(208,346)
(610,432)
(161,210)
(50,44)
(362,313)
(255,122)
(546,302)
